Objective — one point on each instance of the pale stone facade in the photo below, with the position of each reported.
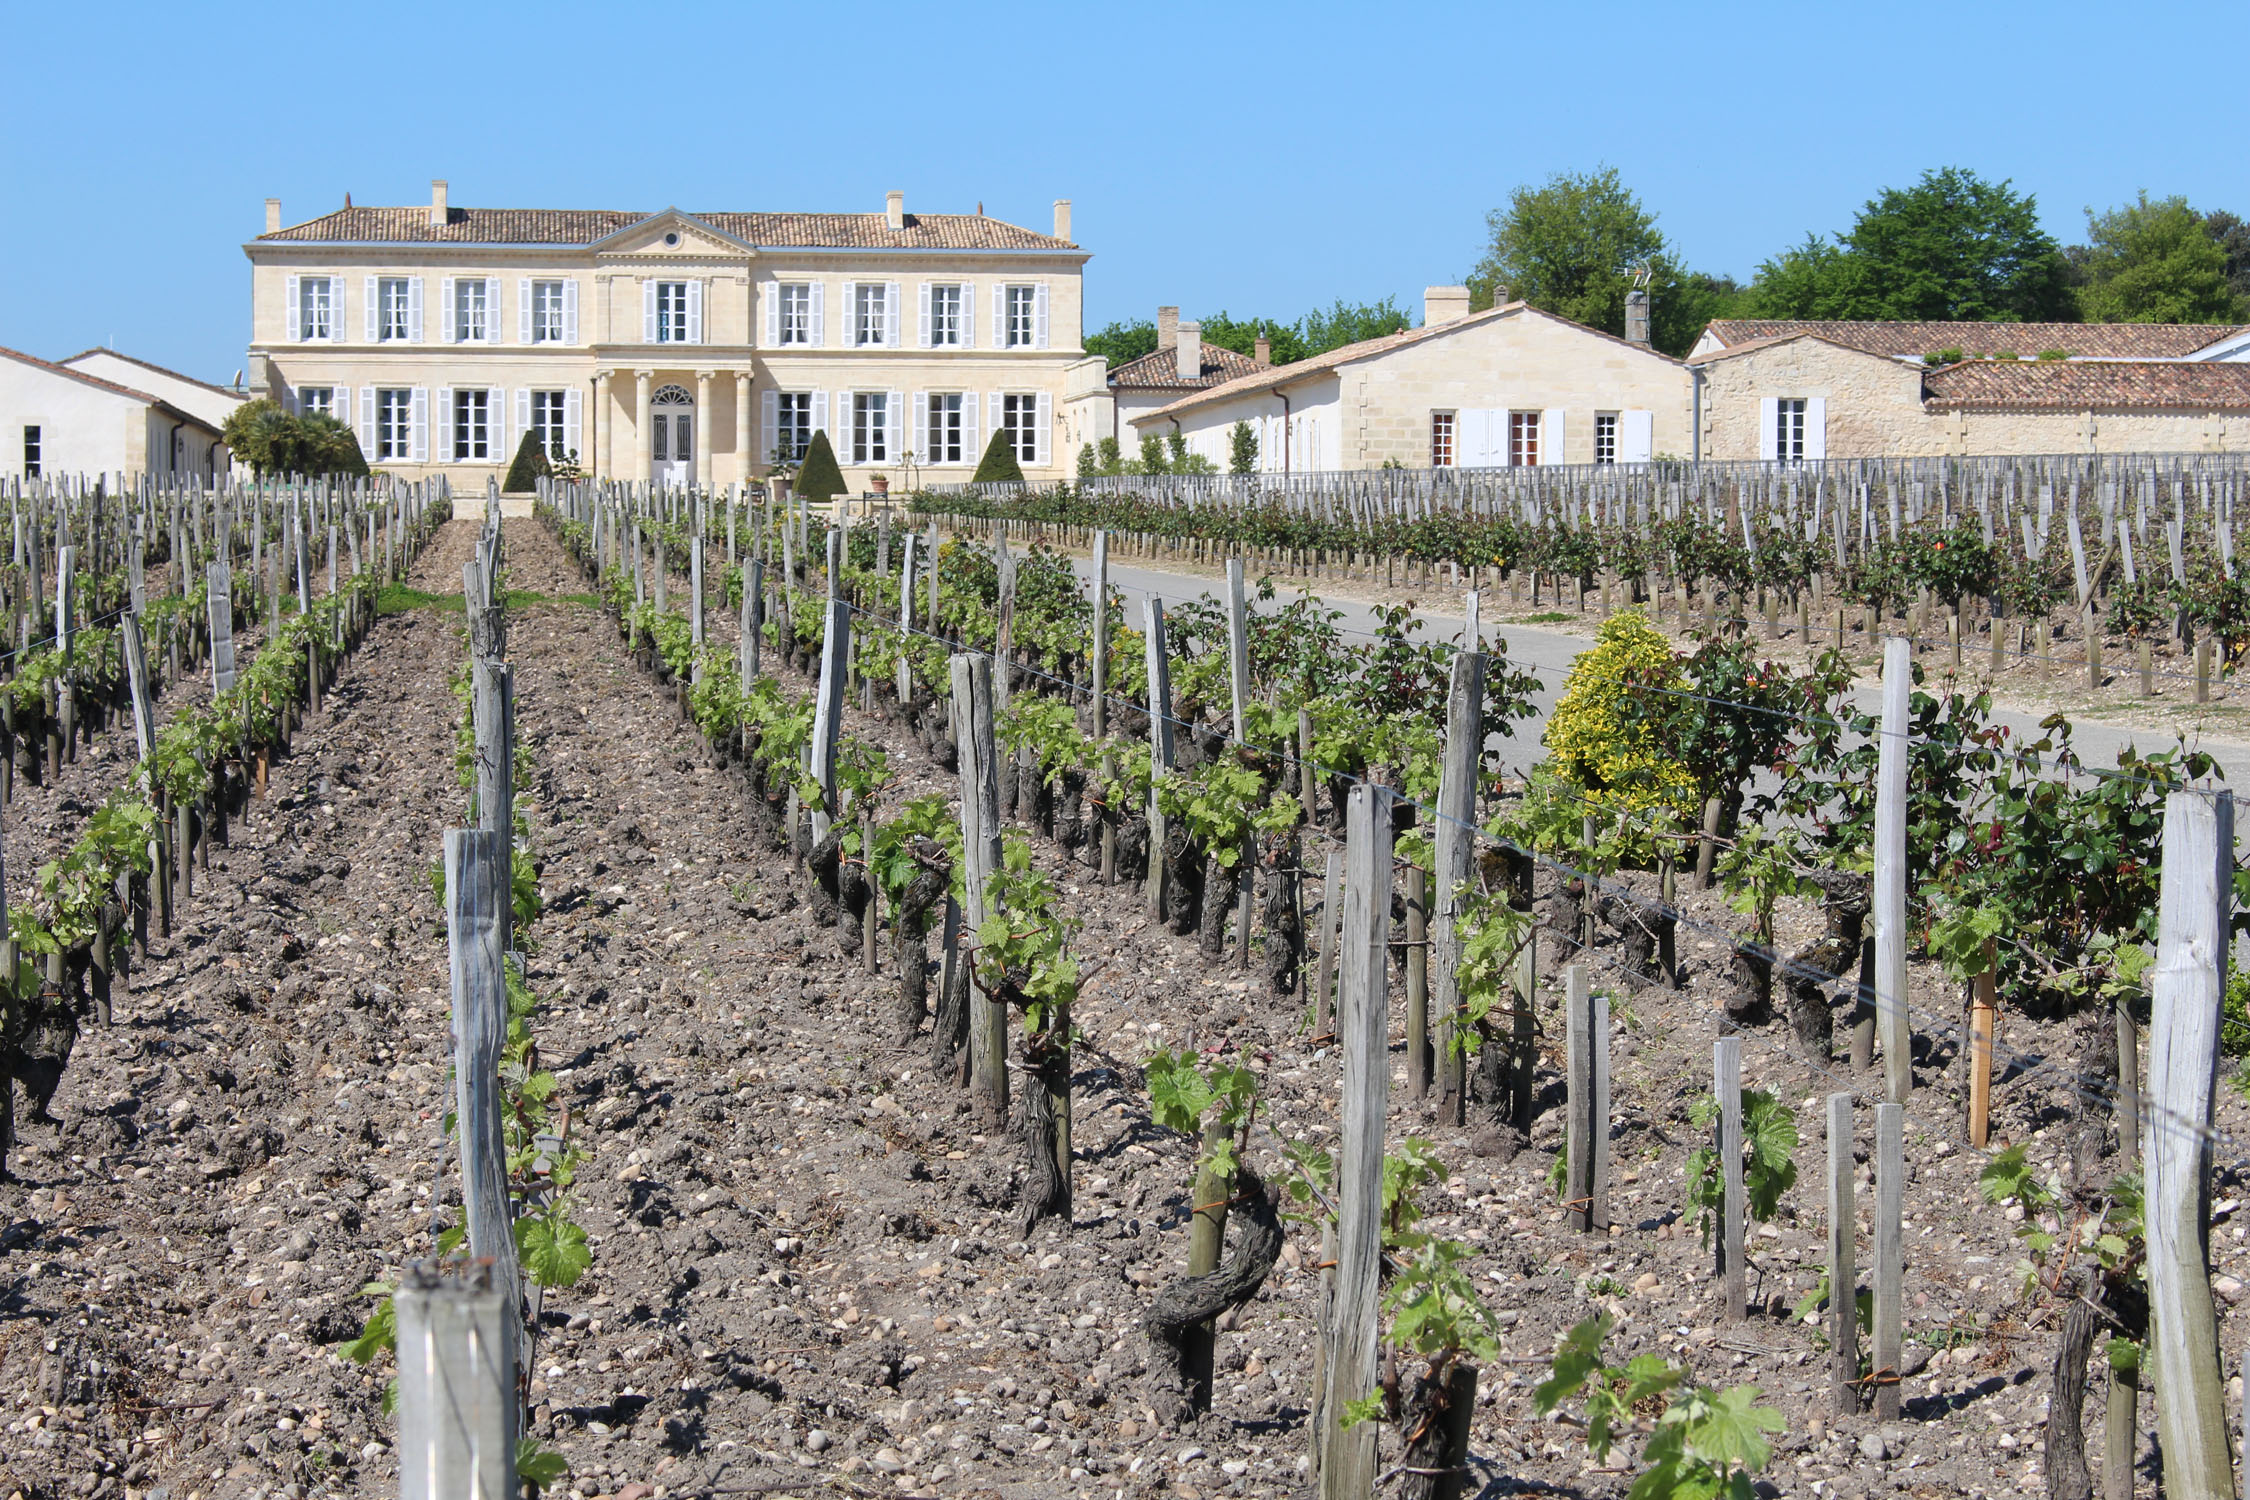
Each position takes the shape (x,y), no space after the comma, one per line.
(1510,386)
(671,347)
(58,422)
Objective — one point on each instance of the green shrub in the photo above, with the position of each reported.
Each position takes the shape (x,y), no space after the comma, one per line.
(529,465)
(819,478)
(998,466)
(1596,737)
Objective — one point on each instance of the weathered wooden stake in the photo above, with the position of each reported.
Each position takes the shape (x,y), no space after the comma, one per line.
(1890,1256)
(828,709)
(475,861)
(980,839)
(1891,1024)
(1160,739)
(1454,848)
(456,1387)
(1983,1006)
(1726,1087)
(1586,1133)
(1843,1257)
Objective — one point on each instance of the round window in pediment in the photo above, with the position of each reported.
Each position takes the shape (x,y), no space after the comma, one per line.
(671,236)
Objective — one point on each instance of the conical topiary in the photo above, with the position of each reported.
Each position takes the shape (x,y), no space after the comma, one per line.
(529,466)
(818,478)
(998,466)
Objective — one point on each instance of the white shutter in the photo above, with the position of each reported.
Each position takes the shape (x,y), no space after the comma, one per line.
(1000,316)
(1039,317)
(847,315)
(922,409)
(769,416)
(496,425)
(289,402)
(894,409)
(1042,434)
(992,414)
(445,310)
(695,311)
(290,327)
(414,309)
(648,310)
(523,310)
(890,315)
(1636,437)
(820,415)
(923,342)
(818,335)
(336,312)
(523,417)
(1769,423)
(574,411)
(968,315)
(1469,427)
(420,445)
(570,311)
(492,310)
(372,299)
(366,423)
(1816,427)
(1551,435)
(444,424)
(772,325)
(969,450)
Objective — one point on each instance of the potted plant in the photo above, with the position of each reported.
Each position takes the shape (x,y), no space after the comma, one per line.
(881,483)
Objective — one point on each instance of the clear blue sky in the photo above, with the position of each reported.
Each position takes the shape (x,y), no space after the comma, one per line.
(1258,159)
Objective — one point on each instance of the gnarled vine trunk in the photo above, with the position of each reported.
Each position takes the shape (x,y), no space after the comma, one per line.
(1194,1300)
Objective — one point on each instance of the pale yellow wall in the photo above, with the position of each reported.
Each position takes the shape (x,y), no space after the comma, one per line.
(1990,432)
(1874,404)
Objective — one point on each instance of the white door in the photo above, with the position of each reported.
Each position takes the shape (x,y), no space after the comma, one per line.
(671,439)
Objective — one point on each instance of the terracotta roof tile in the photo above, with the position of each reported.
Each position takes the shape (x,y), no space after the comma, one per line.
(1159,370)
(580,226)
(2099,385)
(1904,340)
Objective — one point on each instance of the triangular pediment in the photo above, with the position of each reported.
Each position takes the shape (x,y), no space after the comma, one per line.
(671,232)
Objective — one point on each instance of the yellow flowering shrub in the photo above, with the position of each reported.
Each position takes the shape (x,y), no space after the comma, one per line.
(1596,740)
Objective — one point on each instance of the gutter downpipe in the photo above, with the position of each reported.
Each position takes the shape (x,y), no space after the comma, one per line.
(1283,397)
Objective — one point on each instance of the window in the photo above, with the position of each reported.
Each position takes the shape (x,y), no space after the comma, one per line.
(548,419)
(1441,440)
(870,428)
(316,307)
(945,317)
(870,315)
(394,425)
(547,312)
(793,424)
(1020,327)
(317,401)
(671,312)
(1019,418)
(796,314)
(32,450)
(394,309)
(1789,430)
(1605,437)
(469,311)
(945,429)
(472,426)
(1523,439)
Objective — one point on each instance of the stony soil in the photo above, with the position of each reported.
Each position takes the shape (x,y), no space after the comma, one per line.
(807,1273)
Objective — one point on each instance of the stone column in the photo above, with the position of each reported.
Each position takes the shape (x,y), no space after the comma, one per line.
(640,474)
(745,445)
(601,465)
(703,428)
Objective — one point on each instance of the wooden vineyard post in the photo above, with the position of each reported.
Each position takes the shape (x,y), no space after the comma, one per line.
(1523,1054)
(1159,739)
(1843,1256)
(753,621)
(1892,1028)
(1726,1087)
(906,622)
(1346,1455)
(219,599)
(1331,911)
(1983,1007)
(1586,1133)
(1417,981)
(980,843)
(456,1387)
(1100,666)
(828,708)
(474,931)
(2128,1080)
(1890,1256)
(2186,984)
(1453,848)
(1238,677)
(1706,847)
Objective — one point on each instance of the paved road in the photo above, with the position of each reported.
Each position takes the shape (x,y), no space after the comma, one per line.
(1550,652)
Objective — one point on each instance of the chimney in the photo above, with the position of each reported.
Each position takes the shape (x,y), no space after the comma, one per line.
(273,216)
(1636,316)
(437,203)
(894,209)
(1188,363)
(1167,328)
(1444,304)
(1263,358)
(1062,219)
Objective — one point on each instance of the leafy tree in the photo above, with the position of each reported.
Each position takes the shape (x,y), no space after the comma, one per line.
(818,478)
(1569,246)
(998,466)
(1120,342)
(254,430)
(1953,247)
(1151,460)
(2232,236)
(1112,458)
(1088,466)
(330,447)
(1805,281)
(1677,319)
(2154,262)
(1350,323)
(1223,330)
(529,465)
(1242,449)
(271,441)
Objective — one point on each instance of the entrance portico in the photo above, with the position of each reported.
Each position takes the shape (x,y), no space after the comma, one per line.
(674,427)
